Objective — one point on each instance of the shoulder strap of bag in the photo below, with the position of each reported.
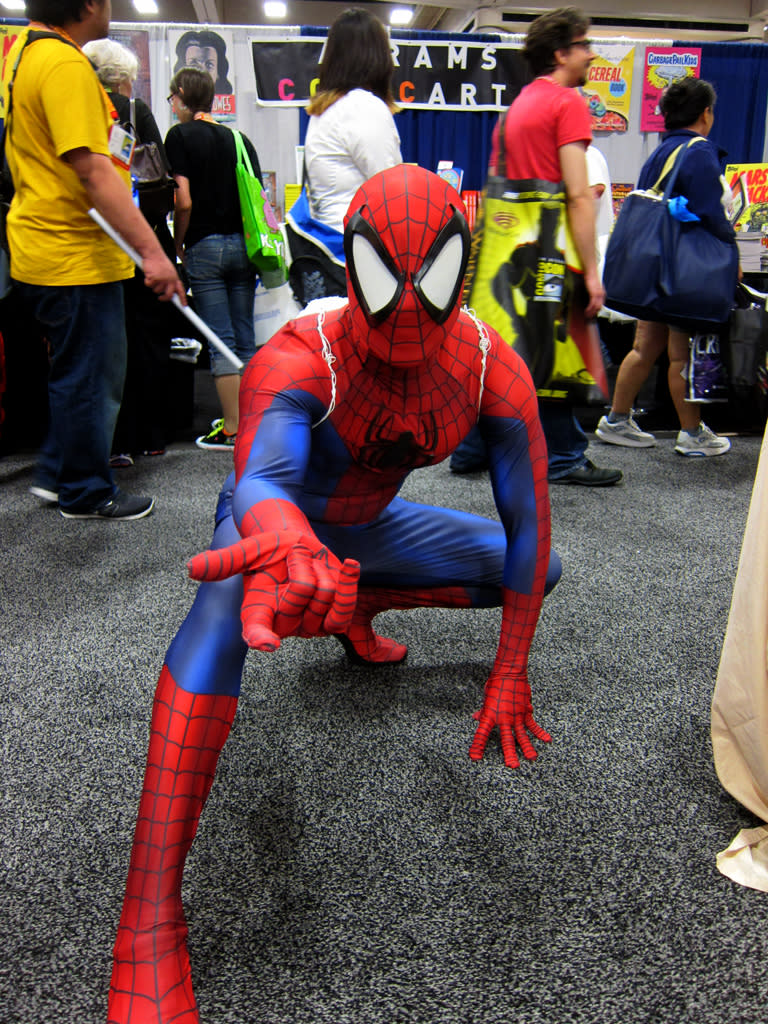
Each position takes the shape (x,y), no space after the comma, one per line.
(242,153)
(132,115)
(672,167)
(33,35)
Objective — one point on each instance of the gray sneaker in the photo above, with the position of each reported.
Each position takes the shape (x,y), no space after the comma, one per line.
(624,432)
(704,442)
(119,506)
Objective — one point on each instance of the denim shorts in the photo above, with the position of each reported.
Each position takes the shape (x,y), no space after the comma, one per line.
(223,282)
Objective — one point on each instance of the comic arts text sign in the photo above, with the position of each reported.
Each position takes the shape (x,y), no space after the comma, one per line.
(428,75)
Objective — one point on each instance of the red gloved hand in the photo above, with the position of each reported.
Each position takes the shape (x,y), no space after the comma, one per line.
(508,705)
(293,585)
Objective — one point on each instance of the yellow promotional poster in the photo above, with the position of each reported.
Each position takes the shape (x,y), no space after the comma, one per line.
(522,279)
(749,185)
(609,87)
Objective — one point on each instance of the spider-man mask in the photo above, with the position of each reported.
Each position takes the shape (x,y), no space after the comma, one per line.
(407,244)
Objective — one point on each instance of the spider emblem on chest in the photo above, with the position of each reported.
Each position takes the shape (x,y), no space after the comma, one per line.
(385,447)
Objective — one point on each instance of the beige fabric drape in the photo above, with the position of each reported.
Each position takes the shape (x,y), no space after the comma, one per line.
(740,703)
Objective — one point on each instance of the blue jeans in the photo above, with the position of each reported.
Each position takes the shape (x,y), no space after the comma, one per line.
(223,282)
(85,329)
(566,441)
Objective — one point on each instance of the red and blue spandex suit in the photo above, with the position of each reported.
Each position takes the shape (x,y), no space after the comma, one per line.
(312,539)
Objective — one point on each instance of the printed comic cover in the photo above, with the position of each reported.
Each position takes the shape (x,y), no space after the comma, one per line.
(749,185)
(609,86)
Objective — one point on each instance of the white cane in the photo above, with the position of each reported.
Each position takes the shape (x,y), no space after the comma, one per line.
(193,318)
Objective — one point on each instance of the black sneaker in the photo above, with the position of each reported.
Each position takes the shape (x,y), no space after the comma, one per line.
(217,439)
(590,475)
(119,506)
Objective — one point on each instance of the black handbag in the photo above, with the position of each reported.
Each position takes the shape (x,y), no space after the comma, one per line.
(747,342)
(151,175)
(318,265)
(660,268)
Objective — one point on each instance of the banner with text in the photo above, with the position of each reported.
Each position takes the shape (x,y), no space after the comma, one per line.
(430,75)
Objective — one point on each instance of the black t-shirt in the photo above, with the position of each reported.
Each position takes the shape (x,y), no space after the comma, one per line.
(206,154)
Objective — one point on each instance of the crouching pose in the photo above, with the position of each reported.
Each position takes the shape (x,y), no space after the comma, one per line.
(311,538)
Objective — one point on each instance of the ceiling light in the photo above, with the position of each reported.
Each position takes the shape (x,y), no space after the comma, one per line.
(275,8)
(14,5)
(400,16)
(145,6)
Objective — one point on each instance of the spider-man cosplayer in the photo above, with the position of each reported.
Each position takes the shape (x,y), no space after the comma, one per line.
(311,538)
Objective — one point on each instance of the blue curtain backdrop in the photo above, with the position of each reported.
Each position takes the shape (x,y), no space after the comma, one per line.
(739,73)
(465,138)
(426,137)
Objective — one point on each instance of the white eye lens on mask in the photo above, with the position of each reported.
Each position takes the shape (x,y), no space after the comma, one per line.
(438,281)
(377,284)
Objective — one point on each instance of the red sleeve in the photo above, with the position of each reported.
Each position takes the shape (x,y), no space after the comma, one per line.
(574,123)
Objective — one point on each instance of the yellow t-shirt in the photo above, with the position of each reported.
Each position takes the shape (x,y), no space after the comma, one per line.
(58,105)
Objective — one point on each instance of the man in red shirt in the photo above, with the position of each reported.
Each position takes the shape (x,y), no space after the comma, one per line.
(546,133)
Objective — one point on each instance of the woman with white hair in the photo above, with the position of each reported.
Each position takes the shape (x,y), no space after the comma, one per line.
(142,423)
(118,68)
(116,65)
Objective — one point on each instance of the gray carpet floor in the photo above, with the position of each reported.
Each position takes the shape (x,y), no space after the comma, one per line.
(353,866)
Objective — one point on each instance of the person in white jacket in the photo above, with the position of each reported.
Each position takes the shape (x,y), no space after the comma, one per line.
(351,136)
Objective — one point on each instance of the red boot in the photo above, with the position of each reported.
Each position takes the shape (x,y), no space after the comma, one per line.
(151,978)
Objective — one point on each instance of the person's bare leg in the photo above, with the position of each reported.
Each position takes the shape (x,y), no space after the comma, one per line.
(650,341)
(689,413)
(228,390)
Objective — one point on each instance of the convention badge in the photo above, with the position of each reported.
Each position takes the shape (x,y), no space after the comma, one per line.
(121,146)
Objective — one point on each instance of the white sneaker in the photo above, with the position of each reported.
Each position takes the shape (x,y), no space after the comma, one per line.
(624,432)
(704,442)
(44,494)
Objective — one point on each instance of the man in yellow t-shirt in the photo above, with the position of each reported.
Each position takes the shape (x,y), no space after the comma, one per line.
(66,156)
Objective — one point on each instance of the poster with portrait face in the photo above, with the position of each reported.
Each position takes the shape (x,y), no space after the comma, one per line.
(208,51)
(664,64)
(609,87)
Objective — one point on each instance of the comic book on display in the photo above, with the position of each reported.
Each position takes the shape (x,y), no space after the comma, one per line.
(749,185)
(619,192)
(269,181)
